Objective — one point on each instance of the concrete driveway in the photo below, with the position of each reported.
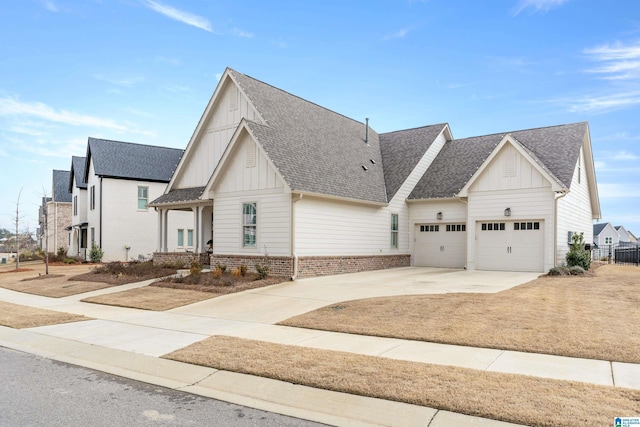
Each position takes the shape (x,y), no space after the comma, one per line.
(279,302)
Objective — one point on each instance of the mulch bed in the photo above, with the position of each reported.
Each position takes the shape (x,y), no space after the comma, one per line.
(121,279)
(226,284)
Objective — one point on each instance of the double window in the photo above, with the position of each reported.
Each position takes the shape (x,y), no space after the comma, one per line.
(608,240)
(249,224)
(181,238)
(143,197)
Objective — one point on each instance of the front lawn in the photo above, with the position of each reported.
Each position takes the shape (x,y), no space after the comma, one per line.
(595,317)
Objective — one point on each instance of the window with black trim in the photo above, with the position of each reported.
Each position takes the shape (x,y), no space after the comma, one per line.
(429,228)
(493,226)
(523,226)
(456,227)
(394,231)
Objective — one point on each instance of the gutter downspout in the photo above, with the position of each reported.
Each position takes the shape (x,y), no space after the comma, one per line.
(555,226)
(293,236)
(100,212)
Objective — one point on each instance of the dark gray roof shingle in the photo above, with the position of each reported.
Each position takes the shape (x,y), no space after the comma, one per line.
(556,147)
(77,173)
(401,151)
(125,160)
(597,228)
(60,187)
(179,195)
(315,149)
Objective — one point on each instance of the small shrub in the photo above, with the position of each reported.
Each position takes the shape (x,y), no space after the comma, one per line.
(262,267)
(196,268)
(578,255)
(237,272)
(243,269)
(61,253)
(96,254)
(221,267)
(70,261)
(217,273)
(576,270)
(558,271)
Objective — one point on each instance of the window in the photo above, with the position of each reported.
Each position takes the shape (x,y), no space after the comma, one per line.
(249,222)
(608,240)
(93,236)
(394,231)
(521,226)
(75,205)
(429,228)
(143,197)
(579,168)
(189,238)
(493,226)
(456,227)
(92,198)
(180,237)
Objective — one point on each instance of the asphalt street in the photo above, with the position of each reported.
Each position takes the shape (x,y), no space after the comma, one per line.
(35,391)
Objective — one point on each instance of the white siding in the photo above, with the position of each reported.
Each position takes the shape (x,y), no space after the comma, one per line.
(239,183)
(333,227)
(607,231)
(93,215)
(574,212)
(206,152)
(510,181)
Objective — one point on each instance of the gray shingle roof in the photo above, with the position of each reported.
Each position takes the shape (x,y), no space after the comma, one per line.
(179,195)
(125,160)
(557,148)
(401,151)
(61,193)
(315,149)
(597,228)
(77,173)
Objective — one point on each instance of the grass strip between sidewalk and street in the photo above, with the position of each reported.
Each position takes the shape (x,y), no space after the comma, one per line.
(506,397)
(593,317)
(151,298)
(20,316)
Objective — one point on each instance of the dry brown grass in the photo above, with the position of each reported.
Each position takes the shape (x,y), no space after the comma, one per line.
(151,298)
(20,316)
(54,286)
(594,317)
(507,397)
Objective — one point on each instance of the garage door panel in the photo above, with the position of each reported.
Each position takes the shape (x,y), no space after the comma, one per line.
(440,245)
(516,246)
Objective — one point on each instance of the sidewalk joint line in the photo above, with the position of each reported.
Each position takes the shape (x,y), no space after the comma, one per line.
(613,378)
(433,417)
(494,360)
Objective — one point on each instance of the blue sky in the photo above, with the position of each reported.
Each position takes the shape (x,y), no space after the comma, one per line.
(143,71)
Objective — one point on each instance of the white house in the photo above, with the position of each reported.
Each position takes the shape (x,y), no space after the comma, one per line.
(78,227)
(625,236)
(119,180)
(266,171)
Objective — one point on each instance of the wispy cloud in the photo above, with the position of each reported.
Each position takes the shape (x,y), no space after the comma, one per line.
(400,34)
(14,107)
(619,61)
(240,33)
(50,6)
(537,5)
(600,104)
(167,60)
(179,15)
(625,156)
(119,81)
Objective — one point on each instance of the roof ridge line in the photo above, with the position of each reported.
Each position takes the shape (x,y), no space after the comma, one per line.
(132,143)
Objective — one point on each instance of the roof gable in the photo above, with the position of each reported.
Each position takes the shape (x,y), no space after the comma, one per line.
(314,149)
(125,160)
(60,187)
(76,176)
(402,150)
(600,227)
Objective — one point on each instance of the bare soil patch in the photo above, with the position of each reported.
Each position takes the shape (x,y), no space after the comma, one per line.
(21,316)
(176,292)
(506,397)
(595,316)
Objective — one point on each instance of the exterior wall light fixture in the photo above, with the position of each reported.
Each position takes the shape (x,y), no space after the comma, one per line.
(439,215)
(507,212)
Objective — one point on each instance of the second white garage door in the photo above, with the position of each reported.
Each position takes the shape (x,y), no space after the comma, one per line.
(440,245)
(510,245)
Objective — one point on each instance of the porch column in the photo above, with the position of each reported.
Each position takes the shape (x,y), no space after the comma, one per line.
(165,227)
(196,228)
(159,247)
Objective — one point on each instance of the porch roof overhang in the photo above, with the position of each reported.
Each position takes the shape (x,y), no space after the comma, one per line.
(181,198)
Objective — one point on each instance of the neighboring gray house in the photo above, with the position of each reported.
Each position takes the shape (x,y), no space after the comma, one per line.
(267,171)
(120,179)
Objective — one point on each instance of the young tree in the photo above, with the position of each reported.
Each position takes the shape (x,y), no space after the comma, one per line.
(17,233)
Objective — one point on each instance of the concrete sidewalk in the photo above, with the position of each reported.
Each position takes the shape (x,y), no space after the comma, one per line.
(128,342)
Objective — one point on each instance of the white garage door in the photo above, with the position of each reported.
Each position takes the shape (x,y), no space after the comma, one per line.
(510,245)
(440,245)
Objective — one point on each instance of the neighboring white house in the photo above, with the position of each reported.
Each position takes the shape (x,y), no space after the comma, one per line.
(267,171)
(119,180)
(78,227)
(625,236)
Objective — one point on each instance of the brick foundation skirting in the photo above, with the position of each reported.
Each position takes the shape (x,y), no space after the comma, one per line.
(186,257)
(316,265)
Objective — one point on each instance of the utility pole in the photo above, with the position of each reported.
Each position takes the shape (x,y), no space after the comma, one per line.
(17,237)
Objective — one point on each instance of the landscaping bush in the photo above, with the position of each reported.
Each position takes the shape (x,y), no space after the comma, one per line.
(578,255)
(262,267)
(96,254)
(558,271)
(576,270)
(221,267)
(243,269)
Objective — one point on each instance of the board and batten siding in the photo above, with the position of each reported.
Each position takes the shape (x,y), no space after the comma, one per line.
(229,108)
(510,181)
(574,211)
(327,227)
(248,177)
